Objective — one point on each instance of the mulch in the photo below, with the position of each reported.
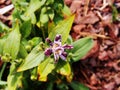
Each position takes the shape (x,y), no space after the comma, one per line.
(5,18)
(100,68)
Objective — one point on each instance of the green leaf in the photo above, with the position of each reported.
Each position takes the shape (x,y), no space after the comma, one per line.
(2,41)
(51,14)
(16,14)
(30,12)
(66,11)
(57,18)
(63,68)
(13,42)
(78,86)
(62,28)
(26,29)
(34,5)
(33,59)
(45,68)
(3,83)
(69,40)
(62,86)
(3,27)
(49,2)
(22,52)
(114,13)
(33,18)
(44,16)
(51,25)
(36,40)
(14,80)
(50,86)
(81,48)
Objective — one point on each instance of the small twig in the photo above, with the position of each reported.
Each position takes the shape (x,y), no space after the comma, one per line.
(104,4)
(93,87)
(94,35)
(6,9)
(99,15)
(86,7)
(86,77)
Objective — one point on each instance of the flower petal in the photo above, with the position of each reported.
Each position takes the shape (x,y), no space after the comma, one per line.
(58,38)
(66,46)
(63,56)
(59,50)
(49,41)
(48,51)
(56,44)
(56,57)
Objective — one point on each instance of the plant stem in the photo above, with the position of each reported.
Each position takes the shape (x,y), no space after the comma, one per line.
(93,35)
(43,33)
(2,70)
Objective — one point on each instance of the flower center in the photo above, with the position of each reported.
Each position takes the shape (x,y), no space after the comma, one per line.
(55,45)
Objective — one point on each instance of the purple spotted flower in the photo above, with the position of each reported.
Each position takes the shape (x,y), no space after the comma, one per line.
(57,49)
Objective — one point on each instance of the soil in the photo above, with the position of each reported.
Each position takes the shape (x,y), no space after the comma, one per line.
(100,68)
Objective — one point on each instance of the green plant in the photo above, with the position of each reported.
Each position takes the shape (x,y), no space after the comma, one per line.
(33,64)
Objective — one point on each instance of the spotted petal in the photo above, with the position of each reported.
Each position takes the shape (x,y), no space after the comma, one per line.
(63,56)
(56,57)
(48,51)
(58,38)
(66,46)
(59,50)
(49,41)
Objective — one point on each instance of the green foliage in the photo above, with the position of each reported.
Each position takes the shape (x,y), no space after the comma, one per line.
(44,68)
(22,52)
(62,28)
(32,59)
(81,48)
(3,84)
(77,86)
(114,13)
(2,41)
(23,46)
(14,79)
(63,68)
(26,29)
(13,42)
(3,28)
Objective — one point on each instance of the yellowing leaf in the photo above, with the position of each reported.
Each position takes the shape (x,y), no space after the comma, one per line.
(45,68)
(63,68)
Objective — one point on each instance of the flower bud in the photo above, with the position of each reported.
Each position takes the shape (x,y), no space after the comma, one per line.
(33,77)
(28,48)
(30,42)
(4,59)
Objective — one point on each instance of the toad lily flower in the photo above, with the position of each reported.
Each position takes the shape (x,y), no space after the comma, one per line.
(57,49)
